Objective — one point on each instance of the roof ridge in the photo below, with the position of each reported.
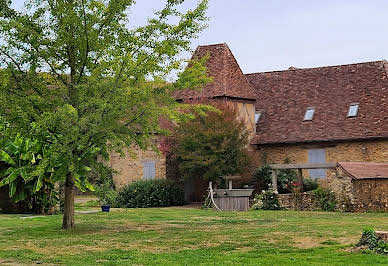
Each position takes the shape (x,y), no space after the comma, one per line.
(321,67)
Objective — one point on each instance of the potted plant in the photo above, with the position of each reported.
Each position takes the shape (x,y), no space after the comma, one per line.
(107,197)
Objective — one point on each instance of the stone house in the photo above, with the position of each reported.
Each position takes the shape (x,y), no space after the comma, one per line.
(311,115)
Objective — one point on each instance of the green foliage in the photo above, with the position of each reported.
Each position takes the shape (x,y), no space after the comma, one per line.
(370,239)
(76,77)
(105,189)
(309,184)
(325,198)
(29,173)
(267,200)
(286,178)
(151,193)
(263,176)
(211,146)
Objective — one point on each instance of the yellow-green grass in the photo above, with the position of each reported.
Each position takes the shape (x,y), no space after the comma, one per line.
(181,236)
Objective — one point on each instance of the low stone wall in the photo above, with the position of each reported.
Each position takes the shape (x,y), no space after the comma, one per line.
(298,201)
(370,195)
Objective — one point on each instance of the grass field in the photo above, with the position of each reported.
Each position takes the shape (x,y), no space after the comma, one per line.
(190,236)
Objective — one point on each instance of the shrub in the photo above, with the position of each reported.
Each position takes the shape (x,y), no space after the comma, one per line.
(370,239)
(285,178)
(325,198)
(263,176)
(102,176)
(151,193)
(267,200)
(309,184)
(107,196)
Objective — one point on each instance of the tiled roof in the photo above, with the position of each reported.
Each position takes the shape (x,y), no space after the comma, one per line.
(363,170)
(228,79)
(285,96)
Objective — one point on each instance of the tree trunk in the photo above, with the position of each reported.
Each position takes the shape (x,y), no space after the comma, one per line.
(68,213)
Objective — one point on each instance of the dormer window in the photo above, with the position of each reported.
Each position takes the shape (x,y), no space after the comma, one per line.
(257,116)
(353,110)
(309,115)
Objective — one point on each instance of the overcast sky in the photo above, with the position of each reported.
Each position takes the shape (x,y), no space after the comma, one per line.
(267,35)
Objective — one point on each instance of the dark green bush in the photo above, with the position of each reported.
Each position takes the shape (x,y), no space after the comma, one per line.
(285,178)
(325,198)
(151,193)
(309,184)
(262,175)
(370,239)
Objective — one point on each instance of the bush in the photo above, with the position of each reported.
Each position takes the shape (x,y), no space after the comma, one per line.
(263,176)
(325,198)
(309,184)
(151,193)
(267,200)
(370,239)
(285,178)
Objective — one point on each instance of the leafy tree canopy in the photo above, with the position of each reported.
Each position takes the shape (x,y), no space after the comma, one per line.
(78,78)
(212,145)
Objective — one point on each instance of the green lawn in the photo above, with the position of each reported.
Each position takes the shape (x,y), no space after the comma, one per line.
(190,236)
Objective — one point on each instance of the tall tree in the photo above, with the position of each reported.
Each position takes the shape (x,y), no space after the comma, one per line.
(79,78)
(210,146)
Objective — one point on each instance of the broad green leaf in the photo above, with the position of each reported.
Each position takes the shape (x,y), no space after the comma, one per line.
(38,184)
(4,157)
(87,168)
(9,179)
(20,196)
(12,189)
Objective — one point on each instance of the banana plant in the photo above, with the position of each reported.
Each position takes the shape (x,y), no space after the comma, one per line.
(31,171)
(24,167)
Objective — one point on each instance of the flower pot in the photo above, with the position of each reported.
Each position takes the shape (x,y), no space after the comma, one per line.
(105,208)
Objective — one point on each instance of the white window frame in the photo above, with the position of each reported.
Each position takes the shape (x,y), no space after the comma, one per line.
(351,111)
(308,110)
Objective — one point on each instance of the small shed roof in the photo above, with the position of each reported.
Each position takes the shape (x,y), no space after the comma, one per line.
(365,170)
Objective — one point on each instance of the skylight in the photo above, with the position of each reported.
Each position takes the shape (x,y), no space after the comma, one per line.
(353,110)
(257,116)
(309,115)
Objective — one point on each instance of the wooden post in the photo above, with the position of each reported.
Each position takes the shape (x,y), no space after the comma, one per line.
(230,184)
(300,179)
(275,180)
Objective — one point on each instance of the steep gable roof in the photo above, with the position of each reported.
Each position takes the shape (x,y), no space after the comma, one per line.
(285,96)
(228,79)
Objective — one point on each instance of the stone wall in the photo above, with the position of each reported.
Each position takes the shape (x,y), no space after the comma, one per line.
(347,151)
(370,195)
(130,168)
(298,201)
(352,195)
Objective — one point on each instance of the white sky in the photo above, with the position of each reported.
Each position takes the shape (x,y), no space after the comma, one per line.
(267,35)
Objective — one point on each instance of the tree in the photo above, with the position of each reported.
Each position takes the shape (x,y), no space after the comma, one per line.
(211,145)
(77,78)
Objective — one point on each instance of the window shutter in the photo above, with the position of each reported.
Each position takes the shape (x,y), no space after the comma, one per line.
(149,170)
(152,170)
(317,156)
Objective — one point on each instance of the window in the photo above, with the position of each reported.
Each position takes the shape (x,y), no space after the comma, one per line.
(353,109)
(317,156)
(257,116)
(309,115)
(149,169)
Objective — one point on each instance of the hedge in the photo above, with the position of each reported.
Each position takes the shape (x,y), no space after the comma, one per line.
(151,193)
